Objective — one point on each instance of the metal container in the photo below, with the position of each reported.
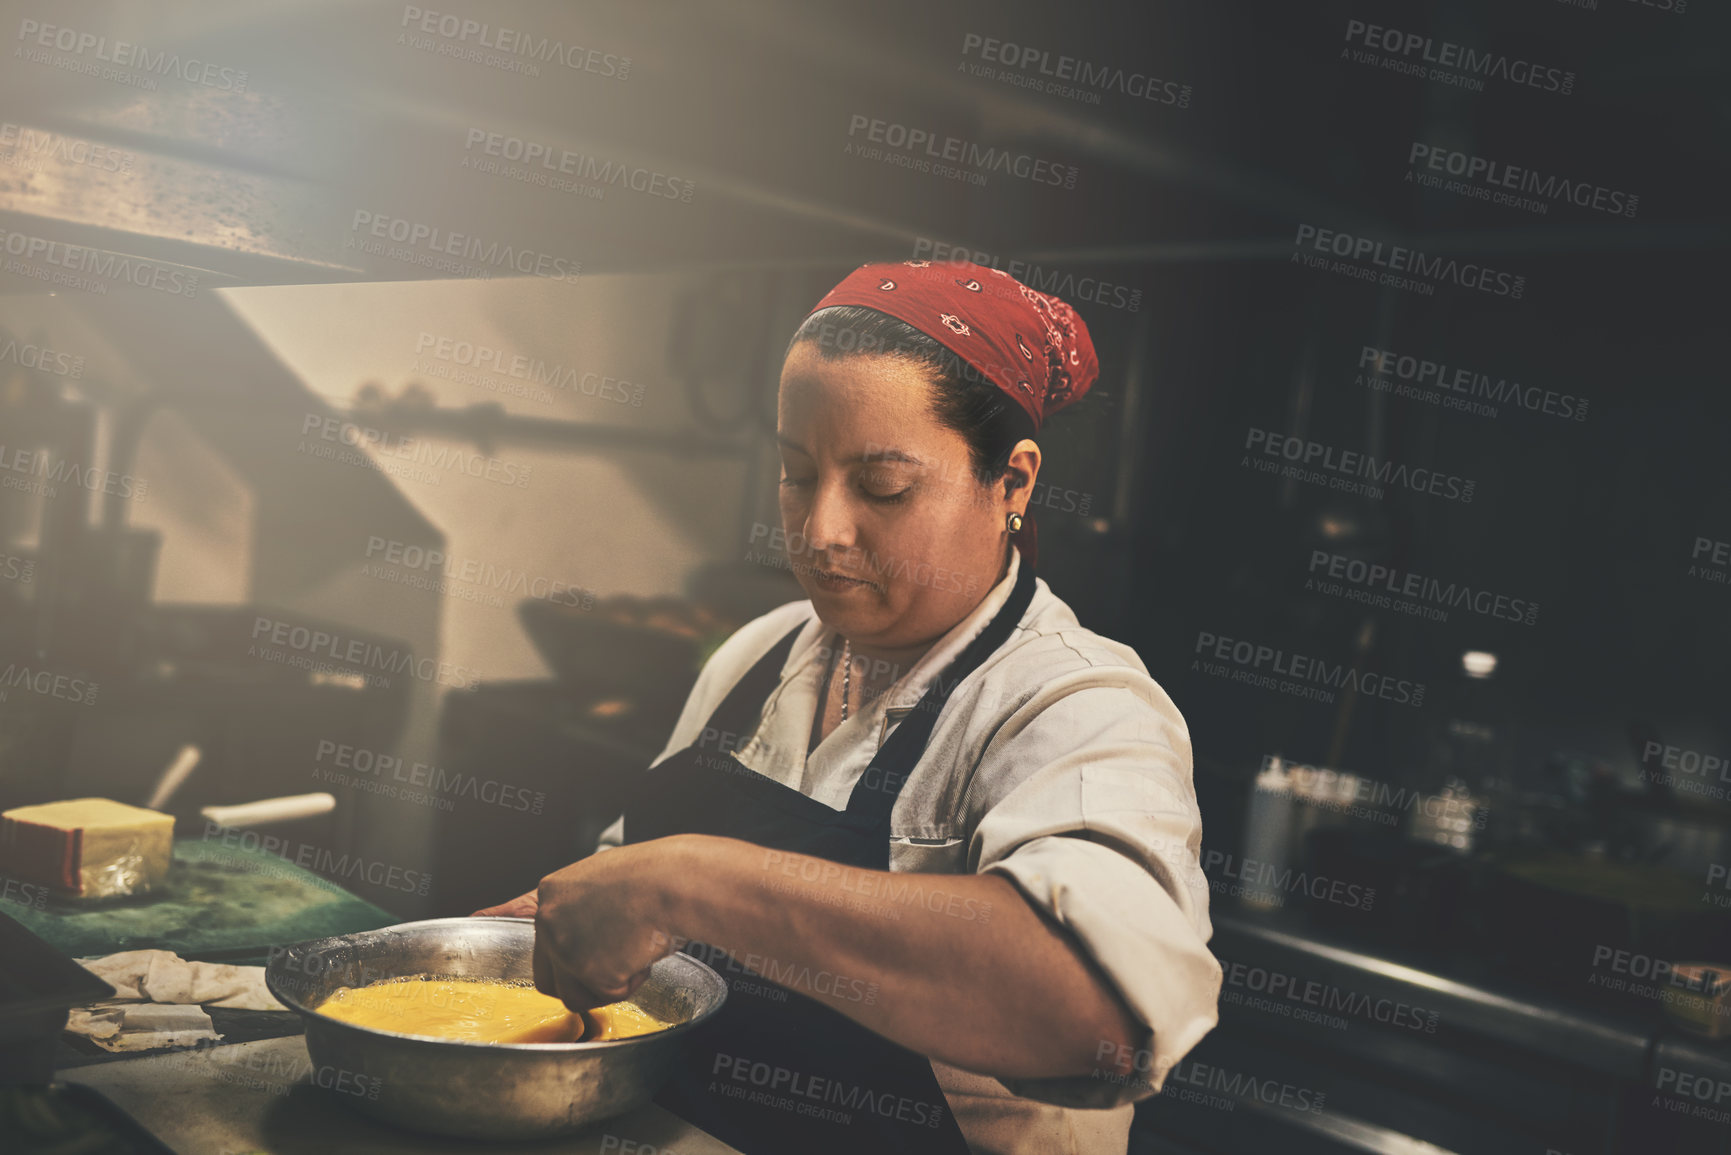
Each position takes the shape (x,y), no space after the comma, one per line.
(480,1090)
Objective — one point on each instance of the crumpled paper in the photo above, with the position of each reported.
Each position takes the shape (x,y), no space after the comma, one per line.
(160,999)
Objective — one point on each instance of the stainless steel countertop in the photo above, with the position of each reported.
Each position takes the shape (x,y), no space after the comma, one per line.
(1624,1045)
(260,1097)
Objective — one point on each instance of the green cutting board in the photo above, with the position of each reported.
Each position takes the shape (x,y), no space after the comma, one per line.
(220,902)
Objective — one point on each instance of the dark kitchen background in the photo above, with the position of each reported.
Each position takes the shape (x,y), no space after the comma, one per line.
(449,544)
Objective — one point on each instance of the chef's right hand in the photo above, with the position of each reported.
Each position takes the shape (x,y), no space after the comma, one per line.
(523,906)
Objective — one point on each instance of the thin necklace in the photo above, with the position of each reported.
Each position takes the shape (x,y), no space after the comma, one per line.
(846,675)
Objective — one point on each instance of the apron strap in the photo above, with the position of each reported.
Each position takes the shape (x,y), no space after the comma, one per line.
(875,794)
(738,713)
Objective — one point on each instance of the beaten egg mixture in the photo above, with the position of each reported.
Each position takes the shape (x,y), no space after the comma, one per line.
(480,1011)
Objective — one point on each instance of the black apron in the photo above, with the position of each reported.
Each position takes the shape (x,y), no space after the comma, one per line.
(777,1072)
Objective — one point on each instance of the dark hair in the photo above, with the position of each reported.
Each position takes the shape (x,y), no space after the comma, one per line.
(964,399)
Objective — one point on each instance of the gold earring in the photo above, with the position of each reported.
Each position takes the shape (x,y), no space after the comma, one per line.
(1014,521)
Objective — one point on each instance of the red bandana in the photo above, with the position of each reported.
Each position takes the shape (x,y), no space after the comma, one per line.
(1029,344)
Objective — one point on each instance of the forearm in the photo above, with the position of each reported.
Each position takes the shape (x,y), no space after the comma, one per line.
(965,970)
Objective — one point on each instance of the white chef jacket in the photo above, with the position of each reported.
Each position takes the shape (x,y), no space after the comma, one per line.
(1059,763)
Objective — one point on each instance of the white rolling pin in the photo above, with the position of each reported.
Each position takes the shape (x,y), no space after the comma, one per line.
(269,810)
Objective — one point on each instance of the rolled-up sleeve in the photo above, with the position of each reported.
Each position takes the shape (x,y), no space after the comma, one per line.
(1091,812)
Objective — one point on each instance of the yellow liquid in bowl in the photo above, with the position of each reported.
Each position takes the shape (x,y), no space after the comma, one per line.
(480,1011)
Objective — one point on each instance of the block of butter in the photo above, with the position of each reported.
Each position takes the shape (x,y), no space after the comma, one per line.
(87,847)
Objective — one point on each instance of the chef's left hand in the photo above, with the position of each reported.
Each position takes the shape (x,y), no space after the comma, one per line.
(599,925)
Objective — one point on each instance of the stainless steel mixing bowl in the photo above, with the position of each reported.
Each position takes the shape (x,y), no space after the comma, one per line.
(480,1090)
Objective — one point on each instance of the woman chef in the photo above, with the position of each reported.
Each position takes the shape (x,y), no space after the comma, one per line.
(954,830)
